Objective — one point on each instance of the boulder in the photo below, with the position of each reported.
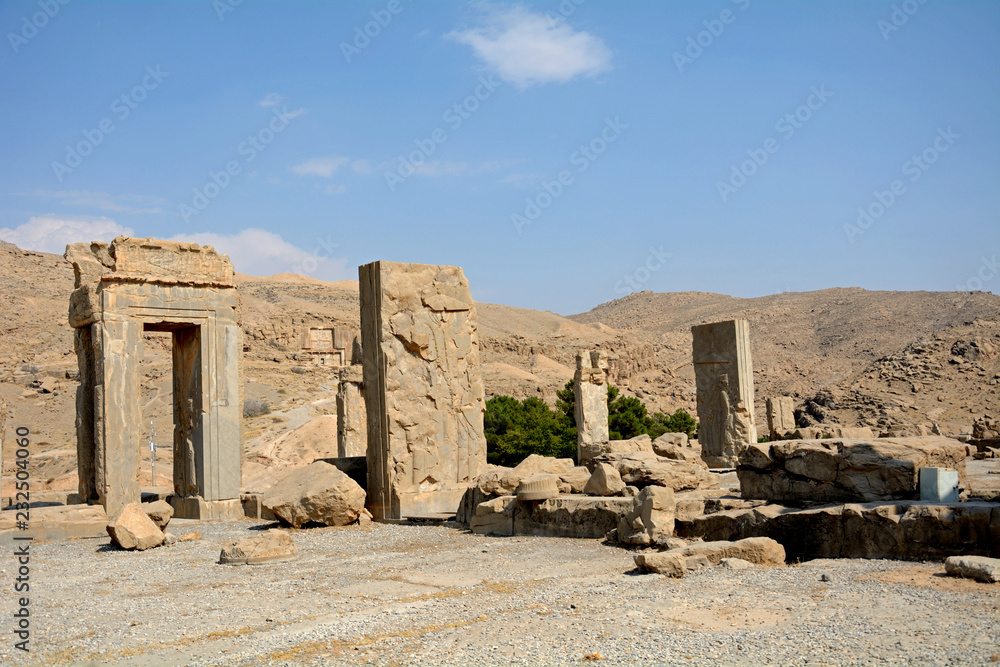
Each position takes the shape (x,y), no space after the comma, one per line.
(650,520)
(541,464)
(832,470)
(979,568)
(132,529)
(736,564)
(757,550)
(642,469)
(604,481)
(496,481)
(575,478)
(638,444)
(159,512)
(317,492)
(494,517)
(271,546)
(668,563)
(570,516)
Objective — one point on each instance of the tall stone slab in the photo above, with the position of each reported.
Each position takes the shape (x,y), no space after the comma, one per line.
(352,422)
(123,289)
(780,416)
(423,390)
(723,374)
(590,388)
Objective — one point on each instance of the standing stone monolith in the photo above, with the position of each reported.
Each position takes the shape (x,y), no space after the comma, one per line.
(423,390)
(352,428)
(780,416)
(723,374)
(590,388)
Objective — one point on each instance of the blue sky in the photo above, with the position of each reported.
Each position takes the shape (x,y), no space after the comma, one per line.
(564,154)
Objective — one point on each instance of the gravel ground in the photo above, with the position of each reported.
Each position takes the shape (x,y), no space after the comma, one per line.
(437,595)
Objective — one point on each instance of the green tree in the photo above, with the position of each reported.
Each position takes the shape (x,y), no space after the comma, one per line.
(679,422)
(516,429)
(628,416)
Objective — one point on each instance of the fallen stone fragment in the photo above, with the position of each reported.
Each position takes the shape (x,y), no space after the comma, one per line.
(365,518)
(538,487)
(669,563)
(535,464)
(576,478)
(650,521)
(270,547)
(317,492)
(979,568)
(190,537)
(159,512)
(736,564)
(757,550)
(132,529)
(604,481)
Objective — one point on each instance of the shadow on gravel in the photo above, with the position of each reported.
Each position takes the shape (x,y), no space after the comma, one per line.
(268,526)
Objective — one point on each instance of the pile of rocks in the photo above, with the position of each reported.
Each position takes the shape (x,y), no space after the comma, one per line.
(138,527)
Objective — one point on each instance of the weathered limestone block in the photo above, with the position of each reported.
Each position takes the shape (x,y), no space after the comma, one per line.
(590,386)
(979,568)
(757,550)
(494,517)
(643,469)
(352,422)
(668,563)
(423,389)
(273,546)
(570,516)
(535,464)
(724,381)
(123,289)
(844,470)
(496,481)
(604,481)
(780,416)
(317,492)
(56,522)
(540,486)
(590,451)
(159,512)
(575,478)
(650,520)
(674,446)
(132,529)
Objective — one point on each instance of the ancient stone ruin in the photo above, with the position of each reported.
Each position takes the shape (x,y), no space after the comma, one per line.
(724,380)
(590,387)
(328,346)
(352,427)
(423,391)
(780,416)
(123,289)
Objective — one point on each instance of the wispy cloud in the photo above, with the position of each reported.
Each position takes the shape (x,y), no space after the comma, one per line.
(258,252)
(526,48)
(270,100)
(52,233)
(361,167)
(102,201)
(320,166)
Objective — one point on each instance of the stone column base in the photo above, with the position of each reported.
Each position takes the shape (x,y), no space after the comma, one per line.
(196,507)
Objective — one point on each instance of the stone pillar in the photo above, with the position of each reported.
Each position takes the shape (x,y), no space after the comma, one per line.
(423,390)
(3,431)
(352,426)
(117,413)
(590,388)
(724,380)
(780,416)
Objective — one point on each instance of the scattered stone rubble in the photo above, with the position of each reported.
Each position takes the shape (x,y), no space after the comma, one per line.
(273,546)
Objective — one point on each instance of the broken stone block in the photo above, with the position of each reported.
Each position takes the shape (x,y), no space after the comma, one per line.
(570,516)
(604,481)
(494,517)
(668,563)
(757,550)
(538,487)
(193,536)
(132,529)
(736,564)
(317,492)
(576,478)
(352,427)
(159,512)
(724,380)
(541,464)
(844,470)
(979,568)
(423,388)
(272,546)
(639,444)
(650,520)
(780,416)
(590,388)
(643,469)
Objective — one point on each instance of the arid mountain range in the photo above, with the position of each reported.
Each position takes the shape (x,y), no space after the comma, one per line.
(881,359)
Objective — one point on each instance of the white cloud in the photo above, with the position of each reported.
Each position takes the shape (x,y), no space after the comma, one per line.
(270,100)
(361,167)
(258,252)
(103,201)
(320,166)
(527,48)
(52,233)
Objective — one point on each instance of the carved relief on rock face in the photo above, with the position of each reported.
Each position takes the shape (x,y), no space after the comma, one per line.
(591,393)
(423,390)
(724,382)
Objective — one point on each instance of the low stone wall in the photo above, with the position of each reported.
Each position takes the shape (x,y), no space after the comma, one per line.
(842,470)
(902,530)
(563,516)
